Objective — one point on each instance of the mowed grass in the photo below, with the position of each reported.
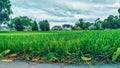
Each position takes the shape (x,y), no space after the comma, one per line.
(64,45)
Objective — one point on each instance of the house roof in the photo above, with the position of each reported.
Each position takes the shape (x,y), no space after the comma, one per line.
(57,27)
(66,25)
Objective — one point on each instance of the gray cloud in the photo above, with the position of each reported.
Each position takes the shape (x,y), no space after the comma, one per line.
(65,10)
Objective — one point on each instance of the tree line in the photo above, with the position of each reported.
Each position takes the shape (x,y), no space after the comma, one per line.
(22,22)
(111,22)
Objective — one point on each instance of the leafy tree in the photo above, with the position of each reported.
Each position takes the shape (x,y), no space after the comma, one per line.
(5,10)
(35,26)
(98,24)
(112,22)
(44,25)
(119,12)
(87,24)
(80,23)
(83,25)
(10,25)
(19,25)
(24,20)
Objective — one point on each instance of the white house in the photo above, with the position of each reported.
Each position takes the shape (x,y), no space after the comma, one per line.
(57,27)
(92,27)
(66,27)
(28,28)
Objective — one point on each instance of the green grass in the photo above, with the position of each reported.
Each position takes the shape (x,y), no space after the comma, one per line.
(71,45)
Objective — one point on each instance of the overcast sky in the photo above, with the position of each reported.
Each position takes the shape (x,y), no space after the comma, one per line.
(64,11)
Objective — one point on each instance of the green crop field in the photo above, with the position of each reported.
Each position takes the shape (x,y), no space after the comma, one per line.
(62,46)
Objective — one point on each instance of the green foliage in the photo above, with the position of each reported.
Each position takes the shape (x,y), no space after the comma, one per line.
(10,25)
(2,54)
(26,21)
(83,25)
(35,26)
(98,24)
(5,10)
(119,13)
(19,25)
(85,58)
(44,25)
(116,55)
(51,57)
(112,22)
(21,22)
(119,10)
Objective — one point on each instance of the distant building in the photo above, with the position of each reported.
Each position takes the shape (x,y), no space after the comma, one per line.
(92,27)
(4,27)
(56,28)
(28,28)
(76,28)
(12,29)
(66,27)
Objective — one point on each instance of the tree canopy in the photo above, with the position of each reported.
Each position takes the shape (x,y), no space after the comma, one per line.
(22,21)
(26,21)
(111,22)
(82,24)
(44,25)
(5,10)
(35,26)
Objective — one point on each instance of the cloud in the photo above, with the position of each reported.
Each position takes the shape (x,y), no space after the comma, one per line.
(61,11)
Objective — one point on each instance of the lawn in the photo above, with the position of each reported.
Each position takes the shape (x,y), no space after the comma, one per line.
(61,46)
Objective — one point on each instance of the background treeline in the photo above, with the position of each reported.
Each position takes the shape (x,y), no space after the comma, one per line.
(111,22)
(23,22)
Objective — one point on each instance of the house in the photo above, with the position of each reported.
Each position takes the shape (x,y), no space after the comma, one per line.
(66,27)
(92,27)
(28,28)
(3,27)
(76,28)
(56,28)
(97,26)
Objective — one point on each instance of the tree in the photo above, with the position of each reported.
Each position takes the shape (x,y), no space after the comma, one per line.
(19,25)
(98,24)
(5,10)
(112,22)
(22,21)
(83,25)
(80,23)
(44,25)
(35,26)
(119,12)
